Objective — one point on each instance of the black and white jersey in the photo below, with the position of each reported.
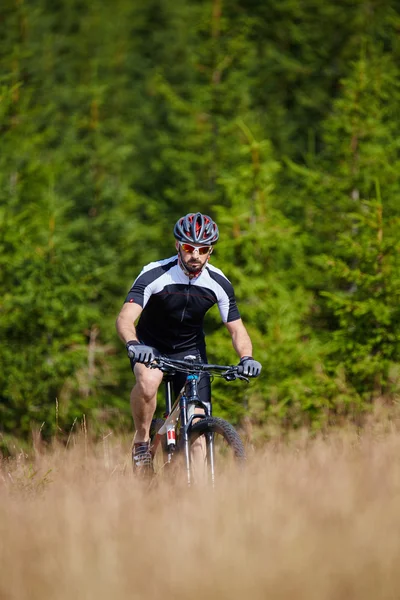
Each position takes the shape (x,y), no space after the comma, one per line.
(174,305)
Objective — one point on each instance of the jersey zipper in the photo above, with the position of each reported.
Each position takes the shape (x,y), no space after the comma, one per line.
(187,301)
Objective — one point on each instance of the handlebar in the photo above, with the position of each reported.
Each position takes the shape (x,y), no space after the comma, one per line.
(191,367)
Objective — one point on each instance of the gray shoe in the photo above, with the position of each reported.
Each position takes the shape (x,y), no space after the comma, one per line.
(142,460)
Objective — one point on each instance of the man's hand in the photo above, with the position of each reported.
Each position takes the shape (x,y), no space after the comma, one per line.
(140,352)
(249,367)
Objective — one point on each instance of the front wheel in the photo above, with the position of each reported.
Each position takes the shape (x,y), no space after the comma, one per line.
(215,446)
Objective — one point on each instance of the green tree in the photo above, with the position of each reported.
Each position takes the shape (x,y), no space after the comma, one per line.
(366,342)
(350,210)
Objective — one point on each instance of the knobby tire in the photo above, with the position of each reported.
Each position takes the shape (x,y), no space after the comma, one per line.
(223,428)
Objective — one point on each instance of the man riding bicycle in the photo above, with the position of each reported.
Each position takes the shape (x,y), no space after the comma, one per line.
(171,297)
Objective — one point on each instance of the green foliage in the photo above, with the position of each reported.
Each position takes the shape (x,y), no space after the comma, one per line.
(45,309)
(280,120)
(352,224)
(366,306)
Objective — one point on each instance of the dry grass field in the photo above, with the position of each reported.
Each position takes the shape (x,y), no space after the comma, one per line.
(307,519)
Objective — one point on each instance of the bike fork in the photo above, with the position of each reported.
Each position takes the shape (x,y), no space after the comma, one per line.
(210,455)
(186,439)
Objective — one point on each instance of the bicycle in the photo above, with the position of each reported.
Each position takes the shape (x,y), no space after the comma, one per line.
(183,426)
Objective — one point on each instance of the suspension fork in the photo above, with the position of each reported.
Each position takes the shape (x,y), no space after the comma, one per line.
(209,439)
(210,455)
(185,436)
(191,394)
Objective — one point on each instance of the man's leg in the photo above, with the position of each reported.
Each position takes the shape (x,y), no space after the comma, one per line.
(143,405)
(144,400)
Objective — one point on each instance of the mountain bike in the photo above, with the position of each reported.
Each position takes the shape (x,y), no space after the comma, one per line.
(189,420)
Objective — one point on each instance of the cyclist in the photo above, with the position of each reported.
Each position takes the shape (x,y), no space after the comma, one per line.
(170,298)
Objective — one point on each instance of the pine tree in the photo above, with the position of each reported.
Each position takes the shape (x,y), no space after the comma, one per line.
(351,223)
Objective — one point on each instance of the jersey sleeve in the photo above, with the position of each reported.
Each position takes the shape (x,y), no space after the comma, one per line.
(227,303)
(225,295)
(149,281)
(141,289)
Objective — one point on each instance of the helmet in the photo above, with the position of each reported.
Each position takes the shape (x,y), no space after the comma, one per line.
(196,228)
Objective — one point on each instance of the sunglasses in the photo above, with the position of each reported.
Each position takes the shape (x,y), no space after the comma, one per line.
(200,249)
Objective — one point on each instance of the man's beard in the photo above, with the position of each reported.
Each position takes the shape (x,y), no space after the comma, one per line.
(192,267)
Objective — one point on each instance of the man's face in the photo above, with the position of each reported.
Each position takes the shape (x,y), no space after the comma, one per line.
(193,256)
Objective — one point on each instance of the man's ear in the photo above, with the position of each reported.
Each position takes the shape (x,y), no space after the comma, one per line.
(177,245)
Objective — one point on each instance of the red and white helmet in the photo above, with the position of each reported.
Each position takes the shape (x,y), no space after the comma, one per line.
(196,228)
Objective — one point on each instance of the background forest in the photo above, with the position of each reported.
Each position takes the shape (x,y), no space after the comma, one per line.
(279,118)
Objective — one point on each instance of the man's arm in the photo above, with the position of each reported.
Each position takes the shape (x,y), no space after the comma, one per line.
(242,344)
(125,323)
(240,338)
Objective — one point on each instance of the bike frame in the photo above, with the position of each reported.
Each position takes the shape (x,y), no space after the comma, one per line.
(183,410)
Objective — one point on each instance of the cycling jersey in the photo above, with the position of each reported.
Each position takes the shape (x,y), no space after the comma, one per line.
(174,305)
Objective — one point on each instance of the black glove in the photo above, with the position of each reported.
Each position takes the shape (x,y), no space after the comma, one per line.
(140,352)
(249,367)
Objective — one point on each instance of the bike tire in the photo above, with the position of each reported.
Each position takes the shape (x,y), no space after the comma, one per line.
(222,428)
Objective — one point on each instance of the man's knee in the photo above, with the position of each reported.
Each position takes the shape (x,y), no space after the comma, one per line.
(147,393)
(147,383)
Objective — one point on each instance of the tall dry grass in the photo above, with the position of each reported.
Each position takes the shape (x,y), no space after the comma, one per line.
(308,519)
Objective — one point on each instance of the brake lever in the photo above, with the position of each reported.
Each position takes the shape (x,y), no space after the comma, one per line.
(231,376)
(164,367)
(155,364)
(243,378)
